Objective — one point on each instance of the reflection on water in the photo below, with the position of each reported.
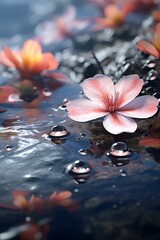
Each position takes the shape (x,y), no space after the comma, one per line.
(59,177)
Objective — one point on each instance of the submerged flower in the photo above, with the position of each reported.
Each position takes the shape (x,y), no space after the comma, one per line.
(114,16)
(116,102)
(152,48)
(61,27)
(34,203)
(30,60)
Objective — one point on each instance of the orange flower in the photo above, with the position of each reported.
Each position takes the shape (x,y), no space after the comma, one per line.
(63,199)
(152,48)
(22,202)
(114,17)
(33,204)
(30,60)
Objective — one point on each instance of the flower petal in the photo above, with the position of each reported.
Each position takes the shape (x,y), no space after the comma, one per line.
(13,56)
(5,61)
(128,88)
(31,46)
(158,29)
(83,110)
(97,87)
(116,123)
(140,107)
(51,61)
(147,47)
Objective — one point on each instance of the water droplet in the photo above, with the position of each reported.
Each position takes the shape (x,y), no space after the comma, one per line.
(46,92)
(121,161)
(64,104)
(78,167)
(28,219)
(119,149)
(157,95)
(31,178)
(58,141)
(83,152)
(79,170)
(151,64)
(152,75)
(123,173)
(76,190)
(114,206)
(14,98)
(9,148)
(82,134)
(78,139)
(58,132)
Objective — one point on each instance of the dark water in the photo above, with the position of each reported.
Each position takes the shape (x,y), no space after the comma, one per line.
(118,197)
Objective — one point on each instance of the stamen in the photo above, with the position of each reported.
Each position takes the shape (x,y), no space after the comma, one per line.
(110,103)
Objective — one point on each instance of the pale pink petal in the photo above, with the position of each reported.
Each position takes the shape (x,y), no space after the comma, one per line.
(116,123)
(98,87)
(83,110)
(140,107)
(128,88)
(147,47)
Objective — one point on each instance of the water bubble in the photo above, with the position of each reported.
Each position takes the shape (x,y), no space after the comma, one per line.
(14,98)
(119,149)
(31,178)
(64,104)
(79,170)
(152,75)
(78,167)
(123,173)
(121,161)
(80,179)
(58,141)
(157,95)
(150,64)
(46,92)
(28,219)
(9,148)
(83,152)
(82,135)
(58,132)
(78,139)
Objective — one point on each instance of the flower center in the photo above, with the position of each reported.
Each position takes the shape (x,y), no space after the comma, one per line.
(111,102)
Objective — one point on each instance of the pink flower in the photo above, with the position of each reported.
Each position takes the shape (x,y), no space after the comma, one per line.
(152,48)
(116,102)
